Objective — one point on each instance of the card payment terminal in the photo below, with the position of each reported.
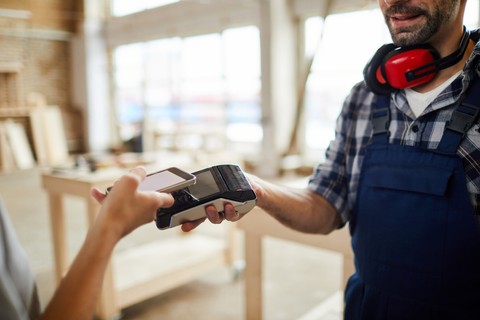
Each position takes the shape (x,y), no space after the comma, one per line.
(215,185)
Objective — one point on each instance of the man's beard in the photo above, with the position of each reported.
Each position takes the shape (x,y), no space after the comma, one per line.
(414,35)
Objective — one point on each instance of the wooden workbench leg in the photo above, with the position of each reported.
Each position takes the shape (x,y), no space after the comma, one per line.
(253,277)
(348,269)
(107,306)
(57,221)
(231,251)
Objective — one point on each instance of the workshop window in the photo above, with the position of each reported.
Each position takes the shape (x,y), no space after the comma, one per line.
(340,54)
(207,88)
(126,7)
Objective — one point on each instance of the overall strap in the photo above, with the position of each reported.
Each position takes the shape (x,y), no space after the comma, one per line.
(381,119)
(463,118)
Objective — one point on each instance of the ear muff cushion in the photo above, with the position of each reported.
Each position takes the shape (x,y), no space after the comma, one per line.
(371,71)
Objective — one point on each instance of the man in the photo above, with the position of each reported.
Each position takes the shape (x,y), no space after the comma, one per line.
(124,210)
(403,171)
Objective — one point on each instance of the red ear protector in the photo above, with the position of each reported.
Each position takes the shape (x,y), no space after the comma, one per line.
(394,68)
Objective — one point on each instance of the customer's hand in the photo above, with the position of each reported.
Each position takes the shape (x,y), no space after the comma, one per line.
(126,208)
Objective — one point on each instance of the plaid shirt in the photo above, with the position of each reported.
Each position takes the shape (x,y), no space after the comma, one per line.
(337,178)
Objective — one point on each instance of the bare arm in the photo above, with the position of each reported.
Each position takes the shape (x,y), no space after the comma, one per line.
(122,211)
(299,209)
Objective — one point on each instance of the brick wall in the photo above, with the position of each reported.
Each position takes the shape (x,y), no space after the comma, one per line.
(33,43)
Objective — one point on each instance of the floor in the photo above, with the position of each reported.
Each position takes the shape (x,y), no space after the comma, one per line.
(299,282)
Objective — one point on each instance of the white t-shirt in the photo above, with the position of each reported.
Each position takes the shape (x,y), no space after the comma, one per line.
(419,101)
(18,294)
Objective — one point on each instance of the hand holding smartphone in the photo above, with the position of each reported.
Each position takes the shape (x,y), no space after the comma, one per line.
(167,180)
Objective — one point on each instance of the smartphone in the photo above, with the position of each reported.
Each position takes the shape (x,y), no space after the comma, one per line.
(166,180)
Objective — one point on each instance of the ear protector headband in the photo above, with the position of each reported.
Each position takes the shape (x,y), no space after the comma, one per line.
(394,68)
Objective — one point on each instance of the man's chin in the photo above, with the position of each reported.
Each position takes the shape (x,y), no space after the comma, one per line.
(406,37)
(404,41)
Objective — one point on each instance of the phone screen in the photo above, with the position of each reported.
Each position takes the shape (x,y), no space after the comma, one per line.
(160,181)
(167,180)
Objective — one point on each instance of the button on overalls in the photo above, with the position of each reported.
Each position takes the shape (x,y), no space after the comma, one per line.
(414,234)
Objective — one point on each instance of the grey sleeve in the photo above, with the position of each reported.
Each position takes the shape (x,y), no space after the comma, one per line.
(18,295)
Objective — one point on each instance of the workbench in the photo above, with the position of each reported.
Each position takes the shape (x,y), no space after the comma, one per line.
(257,226)
(141,272)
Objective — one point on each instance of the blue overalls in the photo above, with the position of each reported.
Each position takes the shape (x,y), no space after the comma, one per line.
(414,234)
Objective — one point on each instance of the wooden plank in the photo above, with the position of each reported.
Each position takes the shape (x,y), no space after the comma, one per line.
(77,185)
(55,138)
(14,112)
(257,225)
(159,266)
(6,158)
(38,135)
(260,223)
(18,141)
(253,277)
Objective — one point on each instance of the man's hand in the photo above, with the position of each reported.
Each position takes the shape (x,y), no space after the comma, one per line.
(229,213)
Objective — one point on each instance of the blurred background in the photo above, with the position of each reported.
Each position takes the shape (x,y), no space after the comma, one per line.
(87,86)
